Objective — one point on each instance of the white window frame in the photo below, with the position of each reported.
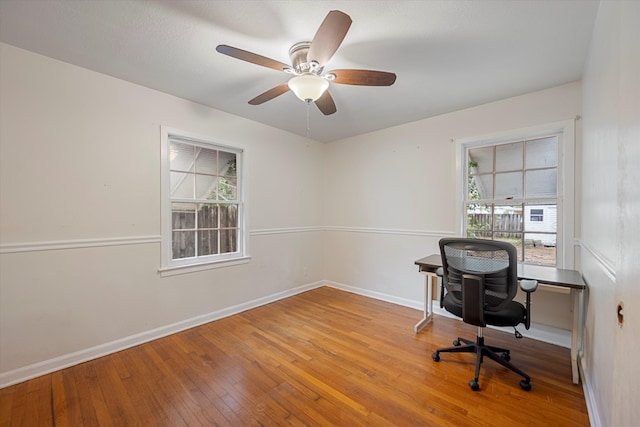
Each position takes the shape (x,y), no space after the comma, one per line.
(171,266)
(565,130)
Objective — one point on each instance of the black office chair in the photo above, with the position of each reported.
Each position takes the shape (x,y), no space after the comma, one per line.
(481,280)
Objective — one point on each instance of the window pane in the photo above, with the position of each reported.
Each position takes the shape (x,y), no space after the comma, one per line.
(542,183)
(183,216)
(181,185)
(542,153)
(227,164)
(206,187)
(227,189)
(481,187)
(481,160)
(207,242)
(228,241)
(514,238)
(478,217)
(208,216)
(181,156)
(228,216)
(540,240)
(507,218)
(508,186)
(206,161)
(474,234)
(540,248)
(509,157)
(541,218)
(183,244)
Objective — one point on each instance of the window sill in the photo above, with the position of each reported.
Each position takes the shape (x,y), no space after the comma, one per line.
(192,268)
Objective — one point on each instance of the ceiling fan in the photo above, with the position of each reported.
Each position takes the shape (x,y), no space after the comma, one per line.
(310,83)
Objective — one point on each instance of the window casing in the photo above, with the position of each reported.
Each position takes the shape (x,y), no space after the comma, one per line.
(505,180)
(202,203)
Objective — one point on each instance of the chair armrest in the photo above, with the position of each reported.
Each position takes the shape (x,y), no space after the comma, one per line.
(528,285)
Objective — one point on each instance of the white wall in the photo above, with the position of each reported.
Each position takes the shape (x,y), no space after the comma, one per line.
(390,195)
(80,215)
(77,146)
(611,213)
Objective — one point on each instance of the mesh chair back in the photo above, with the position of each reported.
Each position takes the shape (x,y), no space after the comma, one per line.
(494,261)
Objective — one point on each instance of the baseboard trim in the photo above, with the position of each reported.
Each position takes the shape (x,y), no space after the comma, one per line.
(538,332)
(47,366)
(589,396)
(376,295)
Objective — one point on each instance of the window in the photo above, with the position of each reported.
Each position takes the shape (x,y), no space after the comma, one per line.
(511,194)
(202,202)
(537,215)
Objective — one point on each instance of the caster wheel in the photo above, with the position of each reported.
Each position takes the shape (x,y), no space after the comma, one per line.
(526,386)
(506,356)
(435,357)
(456,343)
(474,385)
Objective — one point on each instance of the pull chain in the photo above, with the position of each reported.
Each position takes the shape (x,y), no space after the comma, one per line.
(308,106)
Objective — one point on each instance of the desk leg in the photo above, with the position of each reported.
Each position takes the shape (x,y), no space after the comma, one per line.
(575,330)
(428,302)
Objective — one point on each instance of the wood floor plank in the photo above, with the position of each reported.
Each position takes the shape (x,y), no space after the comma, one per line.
(84,400)
(66,400)
(320,358)
(18,414)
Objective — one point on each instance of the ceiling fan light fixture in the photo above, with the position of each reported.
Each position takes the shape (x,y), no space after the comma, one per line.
(308,86)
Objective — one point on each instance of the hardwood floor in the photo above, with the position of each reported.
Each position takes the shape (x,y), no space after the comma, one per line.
(321,358)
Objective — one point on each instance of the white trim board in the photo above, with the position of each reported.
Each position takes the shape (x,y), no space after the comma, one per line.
(539,332)
(53,245)
(589,396)
(47,366)
(96,242)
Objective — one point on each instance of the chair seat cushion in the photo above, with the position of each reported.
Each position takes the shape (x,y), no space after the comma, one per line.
(512,315)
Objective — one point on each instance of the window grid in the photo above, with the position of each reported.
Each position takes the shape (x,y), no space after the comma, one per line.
(204,201)
(488,217)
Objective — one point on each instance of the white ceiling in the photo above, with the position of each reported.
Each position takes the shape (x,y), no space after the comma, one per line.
(448,55)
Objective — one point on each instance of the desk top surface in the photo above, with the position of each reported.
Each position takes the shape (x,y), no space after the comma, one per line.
(543,274)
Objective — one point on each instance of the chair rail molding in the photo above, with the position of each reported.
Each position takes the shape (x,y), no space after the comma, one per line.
(53,245)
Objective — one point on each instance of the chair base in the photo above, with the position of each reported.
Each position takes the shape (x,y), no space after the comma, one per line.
(482,350)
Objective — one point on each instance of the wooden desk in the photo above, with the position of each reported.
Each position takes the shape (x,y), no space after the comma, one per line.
(551,276)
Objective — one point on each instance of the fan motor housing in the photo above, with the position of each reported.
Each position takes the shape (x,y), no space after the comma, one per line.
(298,55)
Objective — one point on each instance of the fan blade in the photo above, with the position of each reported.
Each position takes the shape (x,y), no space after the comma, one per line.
(325,104)
(254,58)
(363,77)
(329,37)
(270,94)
